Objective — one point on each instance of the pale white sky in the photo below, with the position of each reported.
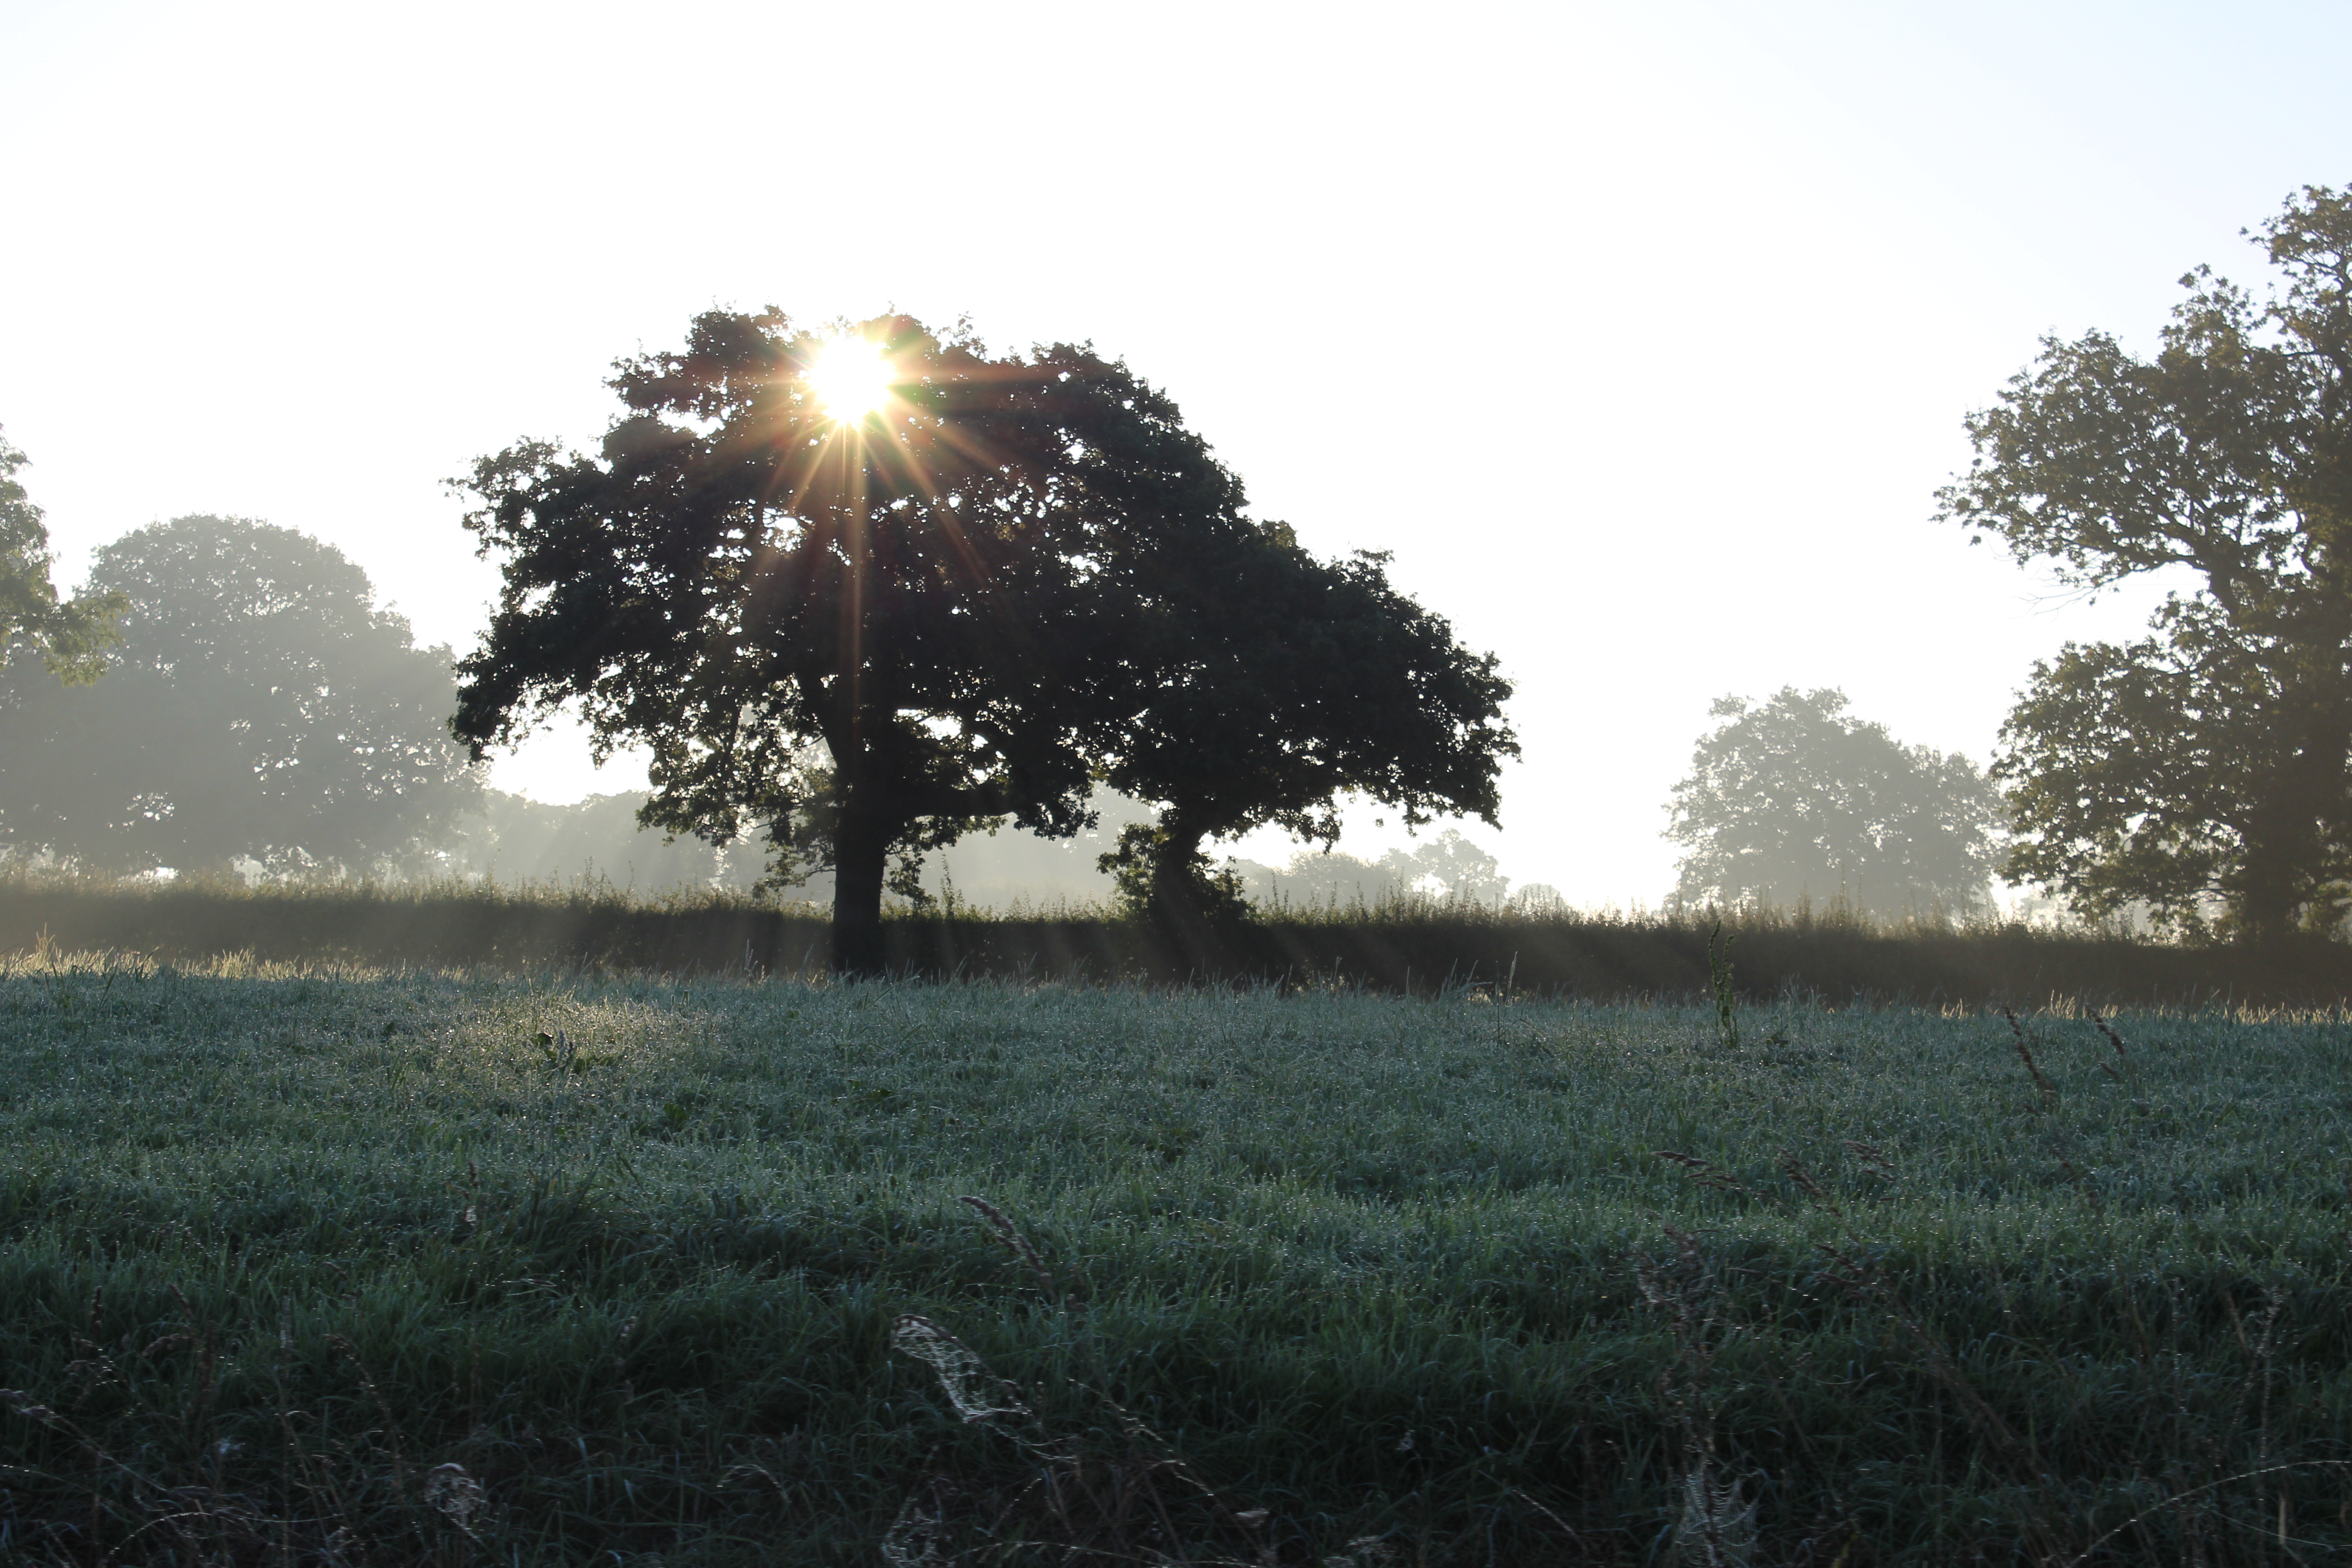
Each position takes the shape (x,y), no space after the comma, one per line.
(1641,334)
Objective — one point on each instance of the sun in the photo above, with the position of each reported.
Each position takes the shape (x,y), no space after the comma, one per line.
(851,377)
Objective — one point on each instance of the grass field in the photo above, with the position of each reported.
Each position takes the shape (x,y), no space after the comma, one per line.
(1418,946)
(352,1267)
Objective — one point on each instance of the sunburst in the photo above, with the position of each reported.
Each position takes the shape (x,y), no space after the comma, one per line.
(852,377)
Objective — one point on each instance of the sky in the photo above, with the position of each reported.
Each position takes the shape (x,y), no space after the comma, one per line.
(1642,335)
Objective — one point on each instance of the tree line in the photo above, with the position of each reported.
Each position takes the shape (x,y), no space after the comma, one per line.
(975,590)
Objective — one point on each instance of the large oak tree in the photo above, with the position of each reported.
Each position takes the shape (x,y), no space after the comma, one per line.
(865,631)
(2211,761)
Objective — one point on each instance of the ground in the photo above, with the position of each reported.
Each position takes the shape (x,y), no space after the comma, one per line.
(352,1266)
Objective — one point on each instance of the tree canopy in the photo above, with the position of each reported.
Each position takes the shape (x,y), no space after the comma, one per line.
(259,705)
(865,628)
(1796,799)
(1283,684)
(2212,762)
(71,637)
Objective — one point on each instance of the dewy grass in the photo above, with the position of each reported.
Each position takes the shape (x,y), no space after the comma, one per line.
(317,1265)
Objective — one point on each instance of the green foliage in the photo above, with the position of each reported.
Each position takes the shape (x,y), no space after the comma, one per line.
(1147,866)
(2145,772)
(72,637)
(474,1270)
(259,705)
(2212,762)
(1727,988)
(1795,799)
(1287,683)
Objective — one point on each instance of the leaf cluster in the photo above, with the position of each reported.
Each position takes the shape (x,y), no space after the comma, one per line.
(71,635)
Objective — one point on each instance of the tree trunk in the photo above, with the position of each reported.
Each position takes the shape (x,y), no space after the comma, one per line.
(2264,900)
(1173,862)
(1184,924)
(2294,836)
(861,853)
(2287,835)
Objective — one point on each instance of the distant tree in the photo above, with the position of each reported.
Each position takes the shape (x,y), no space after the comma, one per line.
(932,577)
(2213,761)
(1318,877)
(1795,799)
(1459,868)
(1449,865)
(1291,683)
(1005,867)
(72,637)
(260,707)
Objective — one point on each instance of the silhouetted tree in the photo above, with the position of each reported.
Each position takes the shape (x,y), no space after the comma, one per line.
(940,594)
(259,705)
(1287,683)
(72,637)
(1795,799)
(2214,760)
